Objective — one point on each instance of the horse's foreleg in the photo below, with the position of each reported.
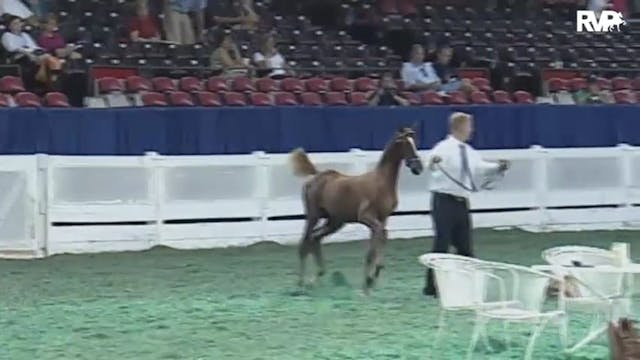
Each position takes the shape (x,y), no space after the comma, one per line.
(381,245)
(328,228)
(373,254)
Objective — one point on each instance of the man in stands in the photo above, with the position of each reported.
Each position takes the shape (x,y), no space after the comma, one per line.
(143,27)
(387,93)
(447,74)
(417,74)
(177,21)
(593,94)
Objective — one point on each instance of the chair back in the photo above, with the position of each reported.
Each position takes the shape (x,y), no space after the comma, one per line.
(459,282)
(525,287)
(579,261)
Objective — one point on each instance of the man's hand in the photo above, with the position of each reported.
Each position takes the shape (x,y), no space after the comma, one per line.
(503,165)
(435,159)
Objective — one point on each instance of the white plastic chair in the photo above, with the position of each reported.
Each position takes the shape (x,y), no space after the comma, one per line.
(460,285)
(600,291)
(522,290)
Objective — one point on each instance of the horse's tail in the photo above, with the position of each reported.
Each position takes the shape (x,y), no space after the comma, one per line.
(302,165)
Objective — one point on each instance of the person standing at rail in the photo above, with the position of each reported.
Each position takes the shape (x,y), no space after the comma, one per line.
(454,167)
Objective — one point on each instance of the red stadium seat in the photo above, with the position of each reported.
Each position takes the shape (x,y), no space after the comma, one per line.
(431,98)
(577,84)
(56,99)
(234,99)
(523,97)
(340,84)
(292,85)
(311,98)
(27,99)
(206,98)
(636,83)
(501,97)
(285,98)
(558,84)
(316,85)
(621,83)
(109,85)
(163,84)
(190,84)
(623,97)
(336,98)
(153,99)
(358,98)
(217,84)
(413,98)
(604,84)
(11,84)
(266,85)
(365,84)
(242,84)
(480,97)
(457,97)
(180,98)
(260,99)
(481,84)
(4,100)
(138,83)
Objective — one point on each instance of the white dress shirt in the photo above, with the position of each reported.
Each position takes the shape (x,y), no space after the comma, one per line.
(14,42)
(421,73)
(450,152)
(275,62)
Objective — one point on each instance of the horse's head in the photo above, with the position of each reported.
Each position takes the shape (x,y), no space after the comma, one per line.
(405,142)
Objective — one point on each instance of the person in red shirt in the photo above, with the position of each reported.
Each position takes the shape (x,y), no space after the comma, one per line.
(52,42)
(143,27)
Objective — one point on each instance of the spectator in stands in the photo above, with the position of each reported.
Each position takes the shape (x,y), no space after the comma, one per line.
(227,56)
(28,54)
(449,80)
(19,9)
(52,42)
(593,94)
(417,74)
(387,93)
(143,26)
(598,5)
(269,61)
(177,22)
(240,16)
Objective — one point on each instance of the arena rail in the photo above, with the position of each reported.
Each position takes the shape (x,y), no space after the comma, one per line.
(76,204)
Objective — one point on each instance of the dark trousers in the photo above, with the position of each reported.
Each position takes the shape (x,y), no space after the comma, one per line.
(452,225)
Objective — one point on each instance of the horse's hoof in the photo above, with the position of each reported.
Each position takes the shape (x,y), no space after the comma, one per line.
(369,282)
(378,270)
(320,273)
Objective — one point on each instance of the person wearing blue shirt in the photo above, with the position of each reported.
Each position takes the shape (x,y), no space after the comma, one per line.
(177,22)
(417,74)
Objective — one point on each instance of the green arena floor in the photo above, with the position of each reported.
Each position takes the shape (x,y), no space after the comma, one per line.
(243,304)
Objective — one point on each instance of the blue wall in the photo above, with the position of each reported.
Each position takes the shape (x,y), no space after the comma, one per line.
(242,130)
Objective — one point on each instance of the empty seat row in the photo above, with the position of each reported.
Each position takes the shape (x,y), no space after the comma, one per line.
(232,98)
(27,99)
(576,84)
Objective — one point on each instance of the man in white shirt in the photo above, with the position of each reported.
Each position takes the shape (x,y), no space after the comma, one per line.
(417,74)
(454,167)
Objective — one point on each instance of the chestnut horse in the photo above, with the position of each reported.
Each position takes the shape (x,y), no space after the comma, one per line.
(368,199)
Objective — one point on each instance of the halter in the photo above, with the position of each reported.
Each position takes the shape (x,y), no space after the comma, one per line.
(488,184)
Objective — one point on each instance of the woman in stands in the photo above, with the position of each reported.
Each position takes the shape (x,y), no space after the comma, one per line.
(269,61)
(53,43)
(25,52)
(227,57)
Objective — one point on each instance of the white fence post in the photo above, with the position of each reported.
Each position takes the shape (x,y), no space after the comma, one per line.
(626,165)
(40,211)
(262,185)
(541,182)
(150,161)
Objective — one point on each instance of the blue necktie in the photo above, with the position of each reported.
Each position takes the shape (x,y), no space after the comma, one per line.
(465,170)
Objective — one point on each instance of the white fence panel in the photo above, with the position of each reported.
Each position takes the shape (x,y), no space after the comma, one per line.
(104,203)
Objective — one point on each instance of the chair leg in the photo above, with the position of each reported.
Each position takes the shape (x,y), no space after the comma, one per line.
(563,327)
(507,335)
(442,320)
(478,329)
(537,331)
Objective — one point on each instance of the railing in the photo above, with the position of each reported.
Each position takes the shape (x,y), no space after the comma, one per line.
(57,204)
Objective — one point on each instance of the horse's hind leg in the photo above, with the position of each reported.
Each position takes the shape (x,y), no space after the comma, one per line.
(375,249)
(329,227)
(305,246)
